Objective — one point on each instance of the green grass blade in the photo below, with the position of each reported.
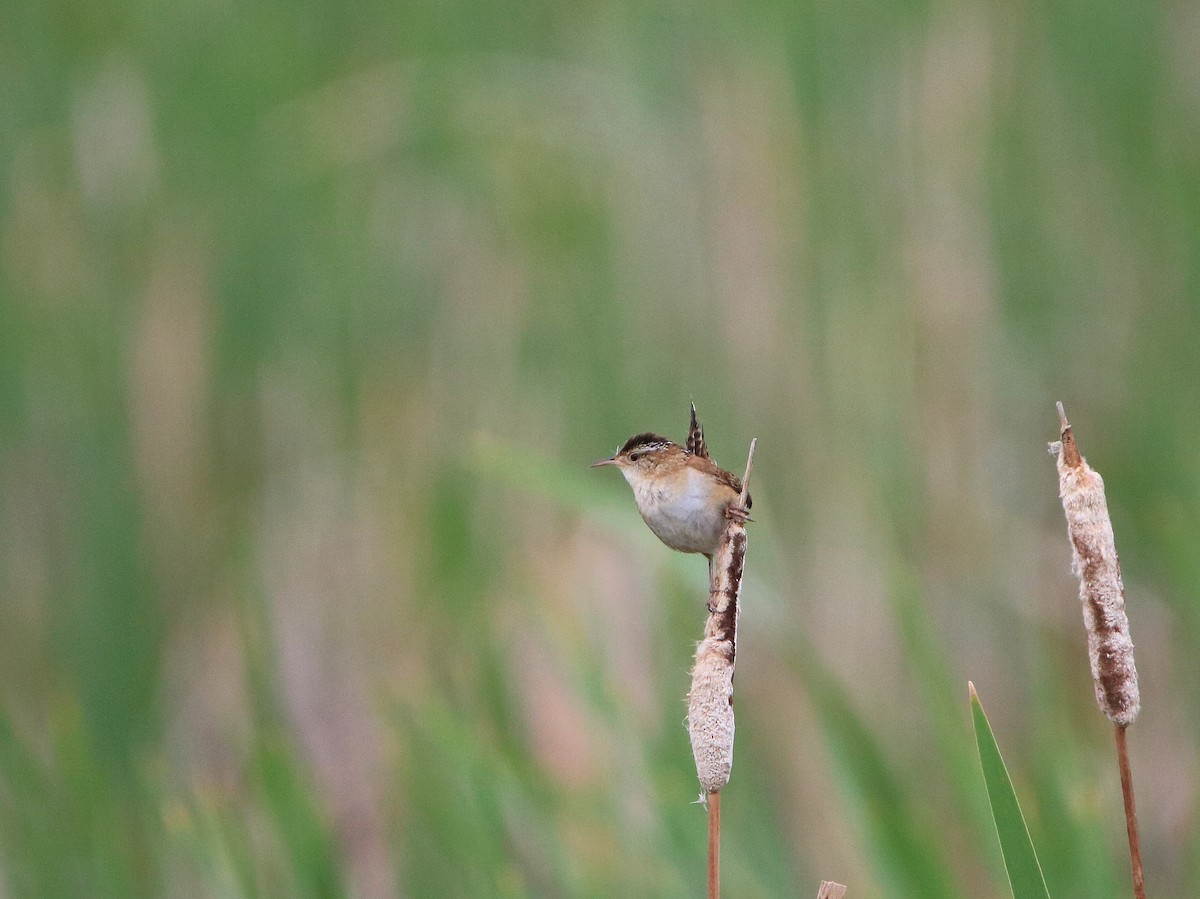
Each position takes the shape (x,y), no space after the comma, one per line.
(1020,859)
(907,857)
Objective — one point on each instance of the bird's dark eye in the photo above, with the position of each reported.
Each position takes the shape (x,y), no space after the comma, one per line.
(633,457)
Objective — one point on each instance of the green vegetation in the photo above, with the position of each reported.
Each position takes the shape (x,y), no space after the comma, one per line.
(1020,859)
(312,316)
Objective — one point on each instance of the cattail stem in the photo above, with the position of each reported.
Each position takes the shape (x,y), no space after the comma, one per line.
(710,700)
(1131,824)
(713,800)
(746,477)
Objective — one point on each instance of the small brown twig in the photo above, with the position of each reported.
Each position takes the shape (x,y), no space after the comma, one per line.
(831,890)
(746,476)
(1131,823)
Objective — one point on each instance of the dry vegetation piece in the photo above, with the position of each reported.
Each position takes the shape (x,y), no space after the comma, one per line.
(1102,593)
(710,700)
(1131,824)
(1100,588)
(831,890)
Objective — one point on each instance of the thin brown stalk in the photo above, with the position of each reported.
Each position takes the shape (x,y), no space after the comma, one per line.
(1131,824)
(714,845)
(746,477)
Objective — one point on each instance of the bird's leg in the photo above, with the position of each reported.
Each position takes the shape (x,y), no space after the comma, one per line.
(734,512)
(710,583)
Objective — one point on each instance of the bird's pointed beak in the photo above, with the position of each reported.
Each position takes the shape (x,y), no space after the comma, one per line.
(612,460)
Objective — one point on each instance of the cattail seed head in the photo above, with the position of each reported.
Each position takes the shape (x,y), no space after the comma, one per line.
(710,715)
(710,700)
(1101,591)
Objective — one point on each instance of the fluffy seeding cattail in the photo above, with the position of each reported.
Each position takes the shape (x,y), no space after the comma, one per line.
(1100,589)
(710,701)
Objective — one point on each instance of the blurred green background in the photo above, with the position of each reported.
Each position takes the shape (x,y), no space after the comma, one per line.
(314,314)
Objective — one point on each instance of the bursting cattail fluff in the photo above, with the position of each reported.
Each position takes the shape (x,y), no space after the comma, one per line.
(710,701)
(1101,591)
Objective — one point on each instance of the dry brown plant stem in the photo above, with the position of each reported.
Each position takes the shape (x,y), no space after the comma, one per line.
(1131,824)
(710,700)
(714,845)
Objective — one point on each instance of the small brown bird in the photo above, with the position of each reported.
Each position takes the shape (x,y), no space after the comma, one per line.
(684,497)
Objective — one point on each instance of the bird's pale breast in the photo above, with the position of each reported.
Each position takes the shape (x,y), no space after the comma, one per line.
(685,511)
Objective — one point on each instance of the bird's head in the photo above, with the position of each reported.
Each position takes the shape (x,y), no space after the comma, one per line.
(644,455)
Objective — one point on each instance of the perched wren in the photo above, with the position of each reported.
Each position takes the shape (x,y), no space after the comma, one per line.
(681,493)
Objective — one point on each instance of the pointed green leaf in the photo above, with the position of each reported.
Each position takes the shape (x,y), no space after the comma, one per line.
(1020,859)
